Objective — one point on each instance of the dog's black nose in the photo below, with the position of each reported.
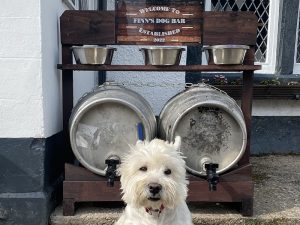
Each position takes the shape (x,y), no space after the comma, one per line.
(154,188)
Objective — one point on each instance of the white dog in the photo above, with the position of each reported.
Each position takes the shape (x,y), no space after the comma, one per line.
(154,185)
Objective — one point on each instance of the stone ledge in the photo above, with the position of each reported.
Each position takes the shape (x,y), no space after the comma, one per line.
(276,200)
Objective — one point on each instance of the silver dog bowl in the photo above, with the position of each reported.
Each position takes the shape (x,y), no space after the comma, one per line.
(165,56)
(89,54)
(226,54)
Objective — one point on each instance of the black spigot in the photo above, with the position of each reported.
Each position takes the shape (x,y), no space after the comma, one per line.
(212,176)
(111,170)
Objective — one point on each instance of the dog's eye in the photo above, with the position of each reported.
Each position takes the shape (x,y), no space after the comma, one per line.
(143,168)
(168,171)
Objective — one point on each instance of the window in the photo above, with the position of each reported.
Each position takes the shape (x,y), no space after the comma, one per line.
(267,13)
(72,4)
(88,4)
(297,52)
(82,4)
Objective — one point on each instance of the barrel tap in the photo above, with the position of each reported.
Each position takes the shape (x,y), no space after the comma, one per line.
(212,176)
(111,174)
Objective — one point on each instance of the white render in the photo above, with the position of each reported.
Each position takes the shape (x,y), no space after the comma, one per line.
(21,99)
(30,93)
(155,87)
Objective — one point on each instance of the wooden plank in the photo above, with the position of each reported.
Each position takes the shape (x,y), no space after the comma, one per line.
(87,27)
(160,21)
(91,191)
(147,3)
(236,174)
(229,28)
(67,96)
(160,40)
(77,173)
(159,26)
(231,188)
(245,171)
(166,24)
(185,12)
(247,207)
(246,104)
(68,207)
(183,15)
(226,191)
(136,33)
(250,56)
(191,68)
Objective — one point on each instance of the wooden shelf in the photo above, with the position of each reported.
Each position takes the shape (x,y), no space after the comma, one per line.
(187,68)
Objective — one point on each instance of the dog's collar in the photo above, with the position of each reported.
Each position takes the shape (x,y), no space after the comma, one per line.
(151,210)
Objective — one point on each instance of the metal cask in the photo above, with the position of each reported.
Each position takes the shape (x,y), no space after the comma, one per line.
(211,126)
(105,122)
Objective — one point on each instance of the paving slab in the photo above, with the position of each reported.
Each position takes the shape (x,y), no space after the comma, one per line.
(276,200)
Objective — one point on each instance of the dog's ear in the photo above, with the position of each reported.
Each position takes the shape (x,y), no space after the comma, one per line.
(177,143)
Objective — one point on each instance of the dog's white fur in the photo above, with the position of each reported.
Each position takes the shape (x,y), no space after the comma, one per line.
(169,207)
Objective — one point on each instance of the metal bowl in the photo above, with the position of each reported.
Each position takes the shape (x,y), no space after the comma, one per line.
(226,54)
(89,54)
(165,56)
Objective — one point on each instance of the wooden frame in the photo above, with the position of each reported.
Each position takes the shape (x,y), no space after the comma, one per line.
(79,28)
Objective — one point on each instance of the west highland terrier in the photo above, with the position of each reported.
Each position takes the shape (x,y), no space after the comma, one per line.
(154,185)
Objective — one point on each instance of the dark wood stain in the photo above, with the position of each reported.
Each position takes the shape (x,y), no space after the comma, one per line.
(87,27)
(220,28)
(192,68)
(98,28)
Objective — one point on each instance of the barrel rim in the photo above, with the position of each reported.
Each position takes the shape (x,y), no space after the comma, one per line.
(74,119)
(241,124)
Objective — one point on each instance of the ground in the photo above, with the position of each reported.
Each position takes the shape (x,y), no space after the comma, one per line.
(276,200)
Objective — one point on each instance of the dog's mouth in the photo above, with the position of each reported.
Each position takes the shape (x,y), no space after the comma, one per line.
(153,199)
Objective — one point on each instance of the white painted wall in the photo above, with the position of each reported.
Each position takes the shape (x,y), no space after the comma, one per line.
(83,82)
(21,99)
(30,84)
(51,10)
(51,77)
(155,87)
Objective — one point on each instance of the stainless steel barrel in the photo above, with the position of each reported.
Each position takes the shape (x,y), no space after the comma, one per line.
(211,126)
(105,121)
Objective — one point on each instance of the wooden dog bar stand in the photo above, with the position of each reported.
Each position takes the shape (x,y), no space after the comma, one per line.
(99,28)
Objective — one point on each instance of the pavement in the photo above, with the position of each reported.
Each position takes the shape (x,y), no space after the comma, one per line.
(276,200)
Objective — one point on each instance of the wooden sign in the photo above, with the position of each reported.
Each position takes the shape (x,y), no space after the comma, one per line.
(162,22)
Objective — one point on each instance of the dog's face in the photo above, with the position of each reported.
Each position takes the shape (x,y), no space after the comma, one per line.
(153,174)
